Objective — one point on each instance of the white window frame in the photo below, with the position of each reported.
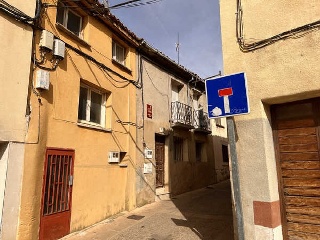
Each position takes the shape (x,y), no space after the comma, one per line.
(115,44)
(65,20)
(88,106)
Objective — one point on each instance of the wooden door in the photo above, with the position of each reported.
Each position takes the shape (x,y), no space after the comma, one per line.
(297,135)
(56,194)
(159,156)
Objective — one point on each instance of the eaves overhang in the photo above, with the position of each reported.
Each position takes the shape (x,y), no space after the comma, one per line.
(99,11)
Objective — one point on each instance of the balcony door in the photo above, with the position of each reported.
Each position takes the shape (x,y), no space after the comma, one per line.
(175,93)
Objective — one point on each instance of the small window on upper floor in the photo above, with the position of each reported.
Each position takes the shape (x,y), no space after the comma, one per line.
(92,106)
(69,19)
(225,154)
(220,122)
(119,53)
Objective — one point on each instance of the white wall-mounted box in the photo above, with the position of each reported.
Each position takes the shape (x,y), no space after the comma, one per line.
(147,168)
(46,40)
(148,153)
(59,48)
(42,80)
(114,157)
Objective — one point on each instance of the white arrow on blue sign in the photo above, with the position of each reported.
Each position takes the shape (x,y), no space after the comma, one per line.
(227,96)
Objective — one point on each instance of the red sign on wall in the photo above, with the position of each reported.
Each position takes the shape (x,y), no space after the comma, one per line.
(149,111)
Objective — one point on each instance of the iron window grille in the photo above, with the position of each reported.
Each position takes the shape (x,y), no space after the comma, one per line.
(178,149)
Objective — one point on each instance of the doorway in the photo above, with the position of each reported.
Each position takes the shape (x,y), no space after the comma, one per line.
(296,134)
(56,194)
(160,158)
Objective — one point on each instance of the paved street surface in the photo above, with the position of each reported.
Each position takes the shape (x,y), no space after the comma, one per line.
(201,214)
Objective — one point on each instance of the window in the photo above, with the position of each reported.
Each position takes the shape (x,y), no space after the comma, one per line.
(175,90)
(220,122)
(69,19)
(225,154)
(198,151)
(118,53)
(92,106)
(178,149)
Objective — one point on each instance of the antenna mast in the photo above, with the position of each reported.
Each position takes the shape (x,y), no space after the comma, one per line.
(178,48)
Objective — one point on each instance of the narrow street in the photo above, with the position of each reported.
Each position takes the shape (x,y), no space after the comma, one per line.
(202,214)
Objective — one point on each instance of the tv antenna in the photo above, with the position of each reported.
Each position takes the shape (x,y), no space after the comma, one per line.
(178,48)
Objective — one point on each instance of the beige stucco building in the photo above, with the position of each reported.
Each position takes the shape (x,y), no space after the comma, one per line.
(276,43)
(171,107)
(220,148)
(14,82)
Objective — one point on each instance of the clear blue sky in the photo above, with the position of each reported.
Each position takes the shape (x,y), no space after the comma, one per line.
(196,21)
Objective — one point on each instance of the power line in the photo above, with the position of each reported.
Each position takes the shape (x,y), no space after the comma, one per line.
(249,47)
(133,3)
(124,3)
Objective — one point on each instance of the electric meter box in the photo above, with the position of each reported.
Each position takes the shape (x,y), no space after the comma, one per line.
(148,153)
(42,79)
(114,157)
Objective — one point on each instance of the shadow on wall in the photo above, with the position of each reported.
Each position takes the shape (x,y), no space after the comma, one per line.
(207,212)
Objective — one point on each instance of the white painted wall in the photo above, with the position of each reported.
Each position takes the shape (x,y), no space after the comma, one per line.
(3,175)
(12,196)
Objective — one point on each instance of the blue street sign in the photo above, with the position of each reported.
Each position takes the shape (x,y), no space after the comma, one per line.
(227,96)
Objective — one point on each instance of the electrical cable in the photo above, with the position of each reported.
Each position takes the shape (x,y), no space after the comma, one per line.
(101,65)
(135,4)
(124,3)
(249,47)
(18,14)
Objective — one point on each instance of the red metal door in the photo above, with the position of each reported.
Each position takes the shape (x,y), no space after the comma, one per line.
(56,194)
(159,156)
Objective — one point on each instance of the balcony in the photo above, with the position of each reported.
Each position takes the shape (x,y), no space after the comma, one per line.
(202,121)
(181,115)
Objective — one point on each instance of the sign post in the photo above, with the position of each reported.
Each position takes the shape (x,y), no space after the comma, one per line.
(227,96)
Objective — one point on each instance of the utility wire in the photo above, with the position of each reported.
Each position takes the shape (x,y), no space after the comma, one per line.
(18,14)
(249,47)
(124,3)
(135,3)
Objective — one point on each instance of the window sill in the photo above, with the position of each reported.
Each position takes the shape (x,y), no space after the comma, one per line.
(72,35)
(120,65)
(94,127)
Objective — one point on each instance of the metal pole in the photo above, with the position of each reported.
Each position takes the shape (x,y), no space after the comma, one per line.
(235,178)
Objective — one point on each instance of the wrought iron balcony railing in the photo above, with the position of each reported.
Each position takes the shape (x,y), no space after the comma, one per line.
(201,120)
(181,114)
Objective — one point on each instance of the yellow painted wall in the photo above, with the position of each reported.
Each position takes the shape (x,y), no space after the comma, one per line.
(100,189)
(285,71)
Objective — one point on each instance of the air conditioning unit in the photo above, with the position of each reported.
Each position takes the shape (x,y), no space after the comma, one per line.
(58,48)
(148,153)
(46,40)
(114,157)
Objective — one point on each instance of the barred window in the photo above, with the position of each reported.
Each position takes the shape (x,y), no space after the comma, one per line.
(178,149)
